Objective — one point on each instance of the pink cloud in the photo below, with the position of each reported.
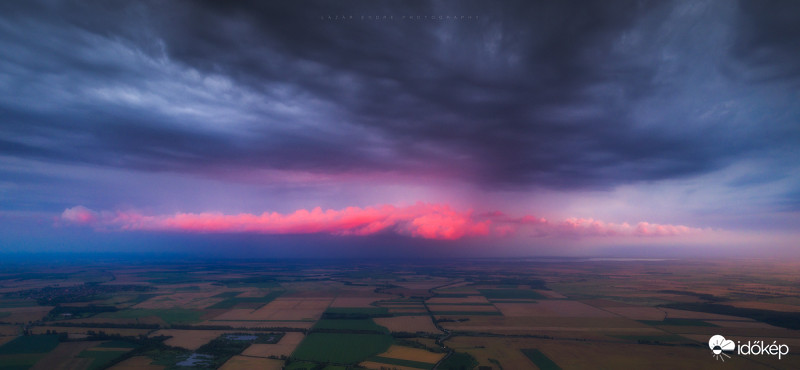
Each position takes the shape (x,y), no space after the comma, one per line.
(79,215)
(421,220)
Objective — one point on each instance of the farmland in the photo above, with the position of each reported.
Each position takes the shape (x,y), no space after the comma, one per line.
(470,314)
(342,348)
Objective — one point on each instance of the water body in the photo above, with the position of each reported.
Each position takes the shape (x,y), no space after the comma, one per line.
(196,359)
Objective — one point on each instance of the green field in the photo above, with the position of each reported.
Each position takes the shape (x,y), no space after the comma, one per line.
(23,352)
(358,310)
(305,365)
(19,361)
(355,313)
(510,294)
(540,359)
(349,324)
(100,358)
(11,303)
(344,337)
(252,302)
(30,344)
(341,348)
(170,316)
(301,365)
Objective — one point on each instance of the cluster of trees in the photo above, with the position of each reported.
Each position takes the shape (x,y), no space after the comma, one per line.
(62,312)
(104,325)
(53,295)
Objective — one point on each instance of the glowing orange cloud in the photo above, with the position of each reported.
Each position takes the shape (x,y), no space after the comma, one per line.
(422,220)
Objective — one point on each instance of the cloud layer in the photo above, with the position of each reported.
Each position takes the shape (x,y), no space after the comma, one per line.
(428,221)
(673,112)
(613,93)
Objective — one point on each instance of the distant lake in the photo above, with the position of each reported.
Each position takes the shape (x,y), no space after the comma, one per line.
(195,359)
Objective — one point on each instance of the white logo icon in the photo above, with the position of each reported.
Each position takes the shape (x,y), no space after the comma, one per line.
(719,345)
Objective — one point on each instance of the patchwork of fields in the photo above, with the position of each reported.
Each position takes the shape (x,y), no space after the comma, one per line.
(468,314)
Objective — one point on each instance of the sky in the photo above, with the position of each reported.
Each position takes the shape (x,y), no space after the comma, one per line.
(400,128)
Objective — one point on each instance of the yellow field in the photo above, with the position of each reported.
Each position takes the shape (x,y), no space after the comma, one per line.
(181,300)
(550,294)
(246,363)
(236,314)
(414,354)
(410,324)
(355,301)
(282,309)
(556,308)
(9,330)
(420,310)
(137,363)
(284,347)
(500,349)
(448,300)
(65,356)
(4,340)
(25,314)
(253,293)
(260,324)
(190,339)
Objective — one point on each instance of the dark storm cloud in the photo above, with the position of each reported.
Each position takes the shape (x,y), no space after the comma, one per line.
(529,93)
(769,41)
